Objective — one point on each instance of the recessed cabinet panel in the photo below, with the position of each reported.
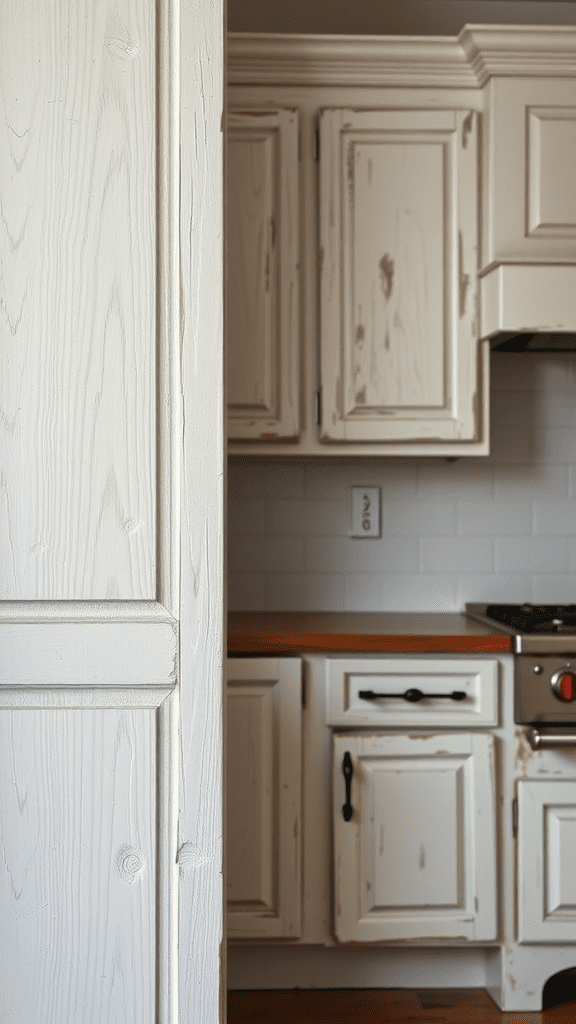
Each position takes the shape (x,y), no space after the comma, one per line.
(415,851)
(398,201)
(546,877)
(551,178)
(264,771)
(262,281)
(529,159)
(413,863)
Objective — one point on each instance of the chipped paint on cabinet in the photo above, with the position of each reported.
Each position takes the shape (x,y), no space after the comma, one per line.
(398,227)
(262,280)
(264,815)
(417,860)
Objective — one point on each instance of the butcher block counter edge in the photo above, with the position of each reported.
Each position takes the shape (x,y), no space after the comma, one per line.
(381,632)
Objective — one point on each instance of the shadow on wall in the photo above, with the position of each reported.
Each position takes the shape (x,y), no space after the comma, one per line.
(374,17)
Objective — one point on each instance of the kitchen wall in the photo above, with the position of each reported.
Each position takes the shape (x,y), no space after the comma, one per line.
(474,529)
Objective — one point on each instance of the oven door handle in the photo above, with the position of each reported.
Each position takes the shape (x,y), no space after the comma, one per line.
(541,739)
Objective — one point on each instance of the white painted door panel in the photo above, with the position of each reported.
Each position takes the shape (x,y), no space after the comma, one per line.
(398,235)
(110,522)
(529,186)
(262,241)
(546,877)
(416,861)
(264,805)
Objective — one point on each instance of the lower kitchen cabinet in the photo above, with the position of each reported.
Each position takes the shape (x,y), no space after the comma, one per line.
(416,858)
(264,813)
(546,856)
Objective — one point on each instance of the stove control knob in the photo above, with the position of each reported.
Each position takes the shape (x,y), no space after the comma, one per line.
(563,685)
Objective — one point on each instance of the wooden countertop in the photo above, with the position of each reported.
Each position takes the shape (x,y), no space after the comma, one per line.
(386,632)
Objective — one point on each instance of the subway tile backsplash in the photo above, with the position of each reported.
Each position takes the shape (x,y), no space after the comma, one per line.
(501,528)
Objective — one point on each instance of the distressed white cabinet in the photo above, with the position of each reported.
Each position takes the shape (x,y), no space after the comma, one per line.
(528,264)
(546,876)
(262,277)
(264,772)
(398,237)
(385,176)
(417,858)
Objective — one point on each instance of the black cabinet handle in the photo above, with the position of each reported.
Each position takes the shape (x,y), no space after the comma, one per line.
(412,695)
(348,771)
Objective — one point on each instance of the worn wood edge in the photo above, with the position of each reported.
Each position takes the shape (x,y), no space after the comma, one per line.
(167,716)
(248,643)
(43,698)
(201,938)
(294,59)
(84,611)
(168,383)
(519,50)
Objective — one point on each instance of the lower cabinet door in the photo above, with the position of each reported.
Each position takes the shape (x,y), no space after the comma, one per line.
(263,798)
(416,859)
(546,861)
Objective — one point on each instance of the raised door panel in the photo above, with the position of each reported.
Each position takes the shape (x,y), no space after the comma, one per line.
(416,860)
(264,757)
(88,849)
(546,878)
(529,181)
(262,275)
(83,301)
(398,202)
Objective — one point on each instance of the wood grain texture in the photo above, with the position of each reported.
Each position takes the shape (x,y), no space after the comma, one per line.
(78,328)
(200,851)
(416,632)
(91,654)
(384,1006)
(78,847)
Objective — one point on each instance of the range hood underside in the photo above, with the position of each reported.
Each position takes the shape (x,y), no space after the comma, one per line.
(526,307)
(543,341)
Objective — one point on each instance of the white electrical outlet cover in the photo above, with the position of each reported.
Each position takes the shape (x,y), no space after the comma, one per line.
(365,512)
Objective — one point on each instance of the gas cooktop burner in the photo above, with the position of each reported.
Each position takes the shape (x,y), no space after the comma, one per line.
(535,618)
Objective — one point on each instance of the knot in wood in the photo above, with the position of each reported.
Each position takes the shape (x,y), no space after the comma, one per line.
(130,862)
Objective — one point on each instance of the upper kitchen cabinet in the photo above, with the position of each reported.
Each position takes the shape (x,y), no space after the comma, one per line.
(528,261)
(398,261)
(262,279)
(381,356)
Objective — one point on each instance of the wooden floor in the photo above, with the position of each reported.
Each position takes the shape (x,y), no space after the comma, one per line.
(380,1006)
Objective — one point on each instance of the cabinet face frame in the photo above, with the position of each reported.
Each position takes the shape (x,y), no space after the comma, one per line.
(272,690)
(450,411)
(263,226)
(469,795)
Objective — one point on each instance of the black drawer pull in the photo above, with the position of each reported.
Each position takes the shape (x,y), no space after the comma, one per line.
(348,771)
(412,695)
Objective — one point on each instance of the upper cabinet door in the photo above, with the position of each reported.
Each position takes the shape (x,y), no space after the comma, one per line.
(262,275)
(398,234)
(529,208)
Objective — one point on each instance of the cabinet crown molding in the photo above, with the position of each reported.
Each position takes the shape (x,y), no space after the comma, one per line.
(519,50)
(326,60)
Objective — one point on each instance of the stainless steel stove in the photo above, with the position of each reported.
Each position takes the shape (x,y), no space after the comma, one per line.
(545,664)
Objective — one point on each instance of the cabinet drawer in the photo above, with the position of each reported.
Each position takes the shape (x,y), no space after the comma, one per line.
(346,678)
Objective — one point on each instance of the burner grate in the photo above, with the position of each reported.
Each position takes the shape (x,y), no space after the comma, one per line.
(535,618)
